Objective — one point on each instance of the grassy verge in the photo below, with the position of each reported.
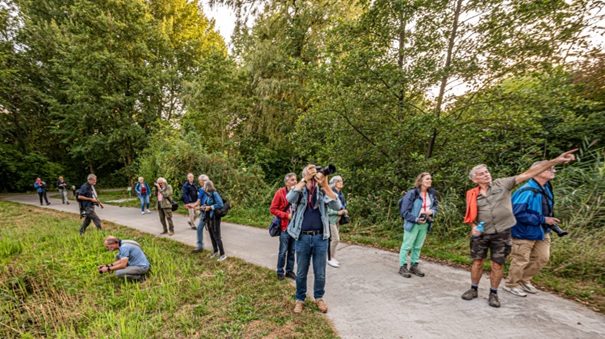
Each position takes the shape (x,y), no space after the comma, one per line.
(49,287)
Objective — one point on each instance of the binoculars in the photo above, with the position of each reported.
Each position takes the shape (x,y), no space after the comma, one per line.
(328,170)
(557,229)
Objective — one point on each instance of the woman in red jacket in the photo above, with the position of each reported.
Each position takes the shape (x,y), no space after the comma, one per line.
(281,208)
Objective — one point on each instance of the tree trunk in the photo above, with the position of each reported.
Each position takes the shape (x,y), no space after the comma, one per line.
(444,79)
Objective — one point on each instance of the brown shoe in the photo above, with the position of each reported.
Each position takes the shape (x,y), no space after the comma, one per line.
(171,233)
(299,306)
(164,232)
(321,305)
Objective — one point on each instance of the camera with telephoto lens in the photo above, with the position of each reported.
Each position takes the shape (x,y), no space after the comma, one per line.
(425,217)
(328,170)
(557,229)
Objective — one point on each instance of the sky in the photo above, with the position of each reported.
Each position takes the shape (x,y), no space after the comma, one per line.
(224,18)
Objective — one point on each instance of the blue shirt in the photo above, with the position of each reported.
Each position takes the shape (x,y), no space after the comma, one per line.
(201,196)
(312,217)
(133,252)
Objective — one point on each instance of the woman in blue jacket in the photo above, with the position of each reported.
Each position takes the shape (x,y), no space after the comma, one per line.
(144,192)
(40,187)
(214,202)
(417,208)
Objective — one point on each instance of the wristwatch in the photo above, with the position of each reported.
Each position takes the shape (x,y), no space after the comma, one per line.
(304,180)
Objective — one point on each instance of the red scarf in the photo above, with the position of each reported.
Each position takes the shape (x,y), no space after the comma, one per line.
(471,205)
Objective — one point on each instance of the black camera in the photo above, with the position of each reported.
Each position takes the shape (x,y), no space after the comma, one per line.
(425,217)
(328,170)
(557,229)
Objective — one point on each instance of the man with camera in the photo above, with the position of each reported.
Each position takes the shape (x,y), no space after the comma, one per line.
(131,262)
(89,199)
(533,206)
(311,231)
(489,211)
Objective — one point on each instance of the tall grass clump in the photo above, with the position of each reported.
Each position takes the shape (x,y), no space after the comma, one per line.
(51,288)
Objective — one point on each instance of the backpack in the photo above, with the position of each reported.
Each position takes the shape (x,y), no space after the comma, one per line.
(221,212)
(80,204)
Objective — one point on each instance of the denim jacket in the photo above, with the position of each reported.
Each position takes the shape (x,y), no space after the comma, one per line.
(410,207)
(214,200)
(295,225)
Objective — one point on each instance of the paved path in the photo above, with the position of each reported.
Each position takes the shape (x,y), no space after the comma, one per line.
(368,299)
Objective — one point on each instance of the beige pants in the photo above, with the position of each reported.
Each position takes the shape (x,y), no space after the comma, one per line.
(334,240)
(193,214)
(528,257)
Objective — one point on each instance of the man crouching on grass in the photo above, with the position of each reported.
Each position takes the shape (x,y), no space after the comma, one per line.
(131,262)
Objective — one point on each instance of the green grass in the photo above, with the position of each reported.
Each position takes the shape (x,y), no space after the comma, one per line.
(49,287)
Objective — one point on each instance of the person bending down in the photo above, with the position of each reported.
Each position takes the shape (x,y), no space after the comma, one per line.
(131,262)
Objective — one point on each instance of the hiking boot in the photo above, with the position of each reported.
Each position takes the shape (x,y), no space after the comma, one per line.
(403,270)
(197,250)
(470,294)
(165,232)
(415,270)
(299,306)
(515,291)
(170,233)
(280,277)
(493,300)
(529,288)
(323,308)
(291,275)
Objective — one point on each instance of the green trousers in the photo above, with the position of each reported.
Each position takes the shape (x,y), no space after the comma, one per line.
(412,241)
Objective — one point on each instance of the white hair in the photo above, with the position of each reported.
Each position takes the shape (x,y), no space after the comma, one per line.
(288,176)
(472,173)
(90,176)
(203,176)
(335,179)
(162,180)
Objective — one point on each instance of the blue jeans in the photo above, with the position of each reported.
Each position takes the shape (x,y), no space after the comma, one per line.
(144,200)
(311,247)
(200,231)
(286,253)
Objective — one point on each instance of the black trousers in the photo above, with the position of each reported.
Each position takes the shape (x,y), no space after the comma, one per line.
(41,195)
(214,228)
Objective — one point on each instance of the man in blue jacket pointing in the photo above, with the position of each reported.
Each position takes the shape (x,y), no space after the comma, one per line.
(533,207)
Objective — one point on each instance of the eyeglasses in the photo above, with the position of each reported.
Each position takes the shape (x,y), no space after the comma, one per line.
(552,169)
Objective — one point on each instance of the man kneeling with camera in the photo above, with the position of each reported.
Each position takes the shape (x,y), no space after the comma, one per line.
(311,231)
(131,262)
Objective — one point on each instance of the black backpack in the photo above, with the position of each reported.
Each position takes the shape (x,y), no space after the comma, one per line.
(80,204)
(221,212)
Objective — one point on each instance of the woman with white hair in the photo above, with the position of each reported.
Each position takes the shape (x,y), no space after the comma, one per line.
(164,193)
(334,219)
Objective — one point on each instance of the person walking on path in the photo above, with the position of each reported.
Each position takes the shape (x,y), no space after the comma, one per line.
(199,203)
(281,208)
(533,207)
(189,195)
(131,262)
(311,231)
(213,203)
(62,186)
(89,198)
(40,187)
(418,207)
(143,192)
(164,195)
(489,207)
(334,219)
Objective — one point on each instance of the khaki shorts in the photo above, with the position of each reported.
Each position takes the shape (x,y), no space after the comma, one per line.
(499,245)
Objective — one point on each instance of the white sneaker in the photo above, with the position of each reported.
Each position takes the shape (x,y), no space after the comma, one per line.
(222,257)
(142,213)
(515,291)
(333,263)
(529,288)
(148,211)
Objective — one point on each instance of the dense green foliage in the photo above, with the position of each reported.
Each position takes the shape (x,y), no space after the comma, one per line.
(49,287)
